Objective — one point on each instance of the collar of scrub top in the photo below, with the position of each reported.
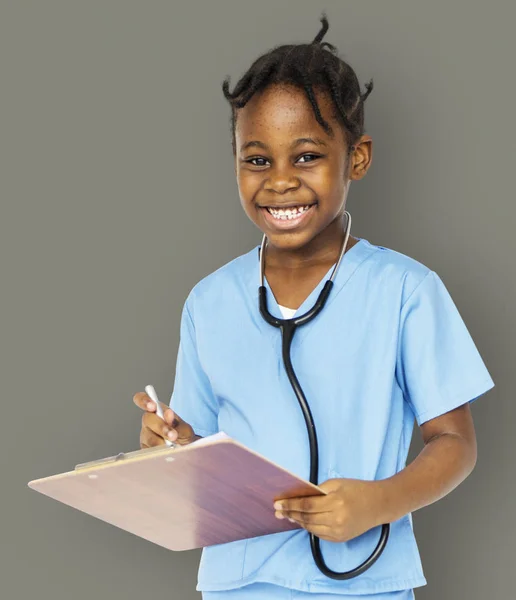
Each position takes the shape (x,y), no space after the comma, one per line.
(334,272)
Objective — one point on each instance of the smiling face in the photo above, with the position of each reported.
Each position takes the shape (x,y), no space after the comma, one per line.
(293,178)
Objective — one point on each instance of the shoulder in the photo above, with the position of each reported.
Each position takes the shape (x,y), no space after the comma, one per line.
(223,283)
(398,269)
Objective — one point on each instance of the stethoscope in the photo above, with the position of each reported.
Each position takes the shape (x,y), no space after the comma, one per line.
(288,328)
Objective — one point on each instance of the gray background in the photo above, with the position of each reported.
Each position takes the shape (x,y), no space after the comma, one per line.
(118,195)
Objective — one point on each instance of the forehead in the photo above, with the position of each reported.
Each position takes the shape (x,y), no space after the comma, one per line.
(284,112)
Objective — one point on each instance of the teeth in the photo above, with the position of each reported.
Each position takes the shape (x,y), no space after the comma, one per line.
(288,213)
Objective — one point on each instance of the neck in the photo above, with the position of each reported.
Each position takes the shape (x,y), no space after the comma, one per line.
(323,249)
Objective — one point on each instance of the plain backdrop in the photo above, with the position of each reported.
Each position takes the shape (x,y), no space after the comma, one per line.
(118,194)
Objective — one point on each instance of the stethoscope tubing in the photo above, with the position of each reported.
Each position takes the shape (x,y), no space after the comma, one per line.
(288,328)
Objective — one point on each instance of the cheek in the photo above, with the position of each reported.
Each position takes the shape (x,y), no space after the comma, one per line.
(327,180)
(249,210)
(333,188)
(248,186)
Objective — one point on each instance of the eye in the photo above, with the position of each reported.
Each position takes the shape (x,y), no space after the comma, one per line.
(250,160)
(309,154)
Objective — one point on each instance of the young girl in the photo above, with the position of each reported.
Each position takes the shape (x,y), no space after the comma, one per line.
(388,346)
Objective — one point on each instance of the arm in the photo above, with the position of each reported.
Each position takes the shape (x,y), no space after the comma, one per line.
(353,506)
(448,457)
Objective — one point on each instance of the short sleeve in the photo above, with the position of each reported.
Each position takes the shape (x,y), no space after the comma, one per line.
(438,365)
(192,397)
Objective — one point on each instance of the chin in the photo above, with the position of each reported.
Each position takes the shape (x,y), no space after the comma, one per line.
(289,240)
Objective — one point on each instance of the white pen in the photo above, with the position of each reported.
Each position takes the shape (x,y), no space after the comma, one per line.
(151,392)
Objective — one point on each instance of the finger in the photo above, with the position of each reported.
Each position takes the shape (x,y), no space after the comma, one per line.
(322,531)
(323,518)
(170,417)
(143,401)
(176,423)
(309,504)
(149,439)
(158,426)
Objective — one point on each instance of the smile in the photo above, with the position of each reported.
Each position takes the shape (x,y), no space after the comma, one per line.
(287,218)
(288,213)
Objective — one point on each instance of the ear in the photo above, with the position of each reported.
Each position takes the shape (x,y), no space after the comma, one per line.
(360,158)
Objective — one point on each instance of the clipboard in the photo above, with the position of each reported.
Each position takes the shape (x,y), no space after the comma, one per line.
(212,491)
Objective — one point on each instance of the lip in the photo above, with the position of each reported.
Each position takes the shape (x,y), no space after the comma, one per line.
(283,224)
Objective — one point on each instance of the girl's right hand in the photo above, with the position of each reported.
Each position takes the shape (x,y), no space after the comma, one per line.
(154,429)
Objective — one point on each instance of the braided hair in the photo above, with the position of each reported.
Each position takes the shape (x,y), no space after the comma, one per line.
(307,67)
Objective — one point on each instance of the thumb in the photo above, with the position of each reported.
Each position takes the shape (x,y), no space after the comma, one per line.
(170,417)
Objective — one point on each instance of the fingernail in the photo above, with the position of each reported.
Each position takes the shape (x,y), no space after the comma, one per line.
(277,505)
(291,520)
(150,405)
(171,435)
(278,515)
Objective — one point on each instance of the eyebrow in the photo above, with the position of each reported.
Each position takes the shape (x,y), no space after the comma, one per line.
(295,143)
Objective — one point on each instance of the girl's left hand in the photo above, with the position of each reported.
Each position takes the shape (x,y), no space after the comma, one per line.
(350,508)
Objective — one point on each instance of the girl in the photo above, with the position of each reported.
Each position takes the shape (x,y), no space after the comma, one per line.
(389,346)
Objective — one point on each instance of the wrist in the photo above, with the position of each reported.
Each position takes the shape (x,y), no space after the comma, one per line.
(384,512)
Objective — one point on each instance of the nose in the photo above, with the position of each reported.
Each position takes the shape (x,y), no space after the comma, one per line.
(281,181)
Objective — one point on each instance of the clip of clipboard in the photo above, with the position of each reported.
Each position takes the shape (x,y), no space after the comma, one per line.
(212,491)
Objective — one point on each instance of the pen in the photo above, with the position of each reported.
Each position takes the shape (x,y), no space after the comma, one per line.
(151,392)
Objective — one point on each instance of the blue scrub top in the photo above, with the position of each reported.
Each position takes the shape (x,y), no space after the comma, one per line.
(388,347)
